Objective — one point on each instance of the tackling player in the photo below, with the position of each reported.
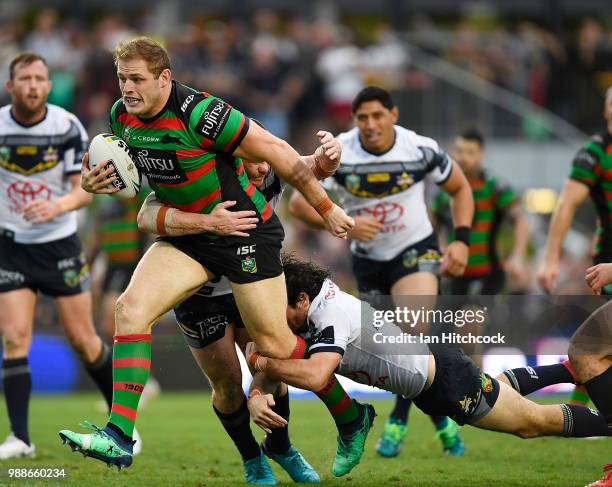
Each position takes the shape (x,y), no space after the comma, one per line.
(381,183)
(189,144)
(441,380)
(40,161)
(211,324)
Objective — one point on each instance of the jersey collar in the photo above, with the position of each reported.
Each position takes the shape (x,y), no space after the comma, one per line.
(28,125)
(316,302)
(163,110)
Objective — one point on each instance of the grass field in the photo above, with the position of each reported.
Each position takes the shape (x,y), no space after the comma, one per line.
(184,445)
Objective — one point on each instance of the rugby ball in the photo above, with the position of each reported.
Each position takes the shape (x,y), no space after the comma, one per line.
(109,147)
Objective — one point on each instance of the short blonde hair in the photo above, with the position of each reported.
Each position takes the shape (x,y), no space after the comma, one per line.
(151,51)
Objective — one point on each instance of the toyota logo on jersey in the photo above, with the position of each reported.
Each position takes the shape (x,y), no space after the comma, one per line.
(385,213)
(22,192)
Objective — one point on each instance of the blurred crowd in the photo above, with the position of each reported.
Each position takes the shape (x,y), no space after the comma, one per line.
(297,75)
(293,73)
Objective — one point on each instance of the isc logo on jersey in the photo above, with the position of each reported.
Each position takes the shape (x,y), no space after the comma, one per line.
(109,147)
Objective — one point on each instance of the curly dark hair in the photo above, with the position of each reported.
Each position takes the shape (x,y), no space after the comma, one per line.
(302,276)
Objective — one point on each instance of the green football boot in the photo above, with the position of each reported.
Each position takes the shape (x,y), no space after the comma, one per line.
(452,443)
(351,446)
(392,439)
(102,445)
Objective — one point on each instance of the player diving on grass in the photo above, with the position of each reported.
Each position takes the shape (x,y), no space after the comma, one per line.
(440,380)
(211,325)
(190,146)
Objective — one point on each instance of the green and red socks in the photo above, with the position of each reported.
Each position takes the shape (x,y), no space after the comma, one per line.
(131,369)
(342,408)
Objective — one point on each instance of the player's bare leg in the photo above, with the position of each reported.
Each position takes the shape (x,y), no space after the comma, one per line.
(263,307)
(424,286)
(16,321)
(163,278)
(75,315)
(514,414)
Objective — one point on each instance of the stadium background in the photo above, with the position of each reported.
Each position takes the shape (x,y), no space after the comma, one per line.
(530,74)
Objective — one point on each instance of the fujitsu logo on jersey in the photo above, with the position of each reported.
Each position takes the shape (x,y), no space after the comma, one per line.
(148,163)
(159,166)
(214,118)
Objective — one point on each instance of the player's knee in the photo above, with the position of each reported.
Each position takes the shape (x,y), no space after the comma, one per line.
(531,427)
(130,315)
(15,343)
(583,364)
(228,393)
(85,344)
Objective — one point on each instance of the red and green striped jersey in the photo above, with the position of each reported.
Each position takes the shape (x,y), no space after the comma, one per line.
(119,236)
(593,166)
(186,152)
(492,200)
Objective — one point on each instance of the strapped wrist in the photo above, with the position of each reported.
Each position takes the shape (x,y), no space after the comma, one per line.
(255,392)
(462,234)
(325,206)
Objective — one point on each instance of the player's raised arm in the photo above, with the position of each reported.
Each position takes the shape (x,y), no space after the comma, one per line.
(260,145)
(156,218)
(326,159)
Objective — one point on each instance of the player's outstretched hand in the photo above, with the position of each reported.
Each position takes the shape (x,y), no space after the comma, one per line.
(234,223)
(41,211)
(598,276)
(366,228)
(548,276)
(97,180)
(327,155)
(260,407)
(338,223)
(454,259)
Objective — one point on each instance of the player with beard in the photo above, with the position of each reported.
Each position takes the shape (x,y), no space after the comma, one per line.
(41,146)
(381,183)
